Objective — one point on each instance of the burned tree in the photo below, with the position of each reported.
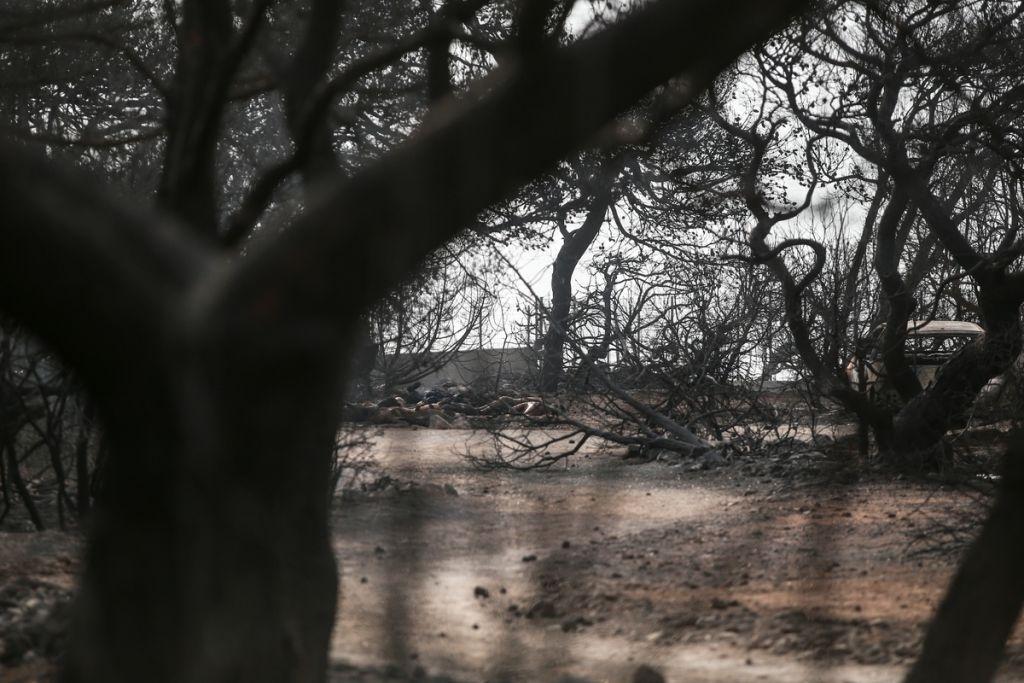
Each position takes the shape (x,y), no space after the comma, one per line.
(217,379)
(574,246)
(924,95)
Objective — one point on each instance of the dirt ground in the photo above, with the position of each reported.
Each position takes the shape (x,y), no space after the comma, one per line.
(795,570)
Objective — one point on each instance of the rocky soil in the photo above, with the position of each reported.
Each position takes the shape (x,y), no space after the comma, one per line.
(779,568)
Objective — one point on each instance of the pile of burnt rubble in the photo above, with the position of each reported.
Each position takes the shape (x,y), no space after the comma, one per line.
(449,406)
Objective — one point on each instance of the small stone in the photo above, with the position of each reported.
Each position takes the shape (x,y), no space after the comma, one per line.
(529,558)
(721,603)
(711,460)
(645,674)
(481,592)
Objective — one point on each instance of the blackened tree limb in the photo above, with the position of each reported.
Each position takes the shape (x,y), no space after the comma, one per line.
(831,377)
(92,278)
(532,23)
(111,279)
(480,150)
(313,116)
(574,246)
(18,19)
(306,74)
(938,219)
(114,45)
(966,638)
(898,373)
(209,55)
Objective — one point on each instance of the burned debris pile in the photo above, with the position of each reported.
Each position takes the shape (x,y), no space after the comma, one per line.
(449,406)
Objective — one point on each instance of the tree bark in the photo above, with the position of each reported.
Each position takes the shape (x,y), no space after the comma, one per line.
(967,635)
(188,185)
(574,246)
(209,559)
(83,492)
(900,298)
(922,422)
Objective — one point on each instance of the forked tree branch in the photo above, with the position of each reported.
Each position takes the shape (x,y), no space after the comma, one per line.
(100,283)
(371,230)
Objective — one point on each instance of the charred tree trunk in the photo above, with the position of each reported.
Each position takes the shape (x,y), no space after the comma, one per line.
(921,424)
(574,246)
(217,485)
(900,299)
(83,489)
(188,186)
(14,472)
(966,638)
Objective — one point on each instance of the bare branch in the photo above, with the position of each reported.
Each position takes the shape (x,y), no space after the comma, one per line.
(477,152)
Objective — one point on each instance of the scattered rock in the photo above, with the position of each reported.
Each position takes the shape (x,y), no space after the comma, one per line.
(529,558)
(667,457)
(34,618)
(450,490)
(634,450)
(645,674)
(575,624)
(710,460)
(722,603)
(481,592)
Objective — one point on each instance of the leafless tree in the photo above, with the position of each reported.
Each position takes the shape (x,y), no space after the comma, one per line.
(422,325)
(218,377)
(920,94)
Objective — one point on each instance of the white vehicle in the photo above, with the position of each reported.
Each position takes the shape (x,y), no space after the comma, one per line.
(929,344)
